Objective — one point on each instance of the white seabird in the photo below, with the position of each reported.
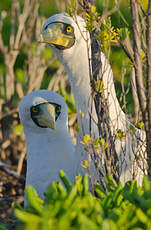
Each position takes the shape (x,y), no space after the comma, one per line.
(44,116)
(69,39)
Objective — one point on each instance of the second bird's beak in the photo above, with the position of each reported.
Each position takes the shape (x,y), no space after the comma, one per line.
(46,118)
(54,36)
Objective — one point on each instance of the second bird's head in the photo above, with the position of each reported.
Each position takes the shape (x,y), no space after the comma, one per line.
(43,109)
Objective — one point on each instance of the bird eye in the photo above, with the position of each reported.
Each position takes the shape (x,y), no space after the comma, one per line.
(69,29)
(35,109)
(58,109)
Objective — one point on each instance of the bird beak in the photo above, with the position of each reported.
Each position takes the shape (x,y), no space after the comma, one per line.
(55,37)
(47,116)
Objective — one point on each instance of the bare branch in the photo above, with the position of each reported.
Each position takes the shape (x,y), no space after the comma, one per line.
(148,57)
(137,57)
(3,48)
(148,80)
(9,113)
(135,96)
(9,171)
(22,19)
(12,32)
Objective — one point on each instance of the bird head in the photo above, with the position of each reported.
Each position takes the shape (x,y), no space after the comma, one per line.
(65,35)
(43,109)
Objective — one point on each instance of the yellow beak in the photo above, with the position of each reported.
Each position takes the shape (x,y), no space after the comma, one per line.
(47,116)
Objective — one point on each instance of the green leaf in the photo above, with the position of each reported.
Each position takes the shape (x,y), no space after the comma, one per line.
(26,217)
(99,191)
(71,197)
(65,180)
(20,76)
(109,225)
(110,183)
(117,198)
(47,53)
(146,184)
(18,129)
(78,184)
(141,216)
(124,33)
(86,223)
(85,182)
(52,192)
(61,190)
(33,199)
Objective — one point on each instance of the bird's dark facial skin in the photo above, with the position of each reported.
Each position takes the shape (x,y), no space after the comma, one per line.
(57,110)
(67,28)
(66,31)
(36,111)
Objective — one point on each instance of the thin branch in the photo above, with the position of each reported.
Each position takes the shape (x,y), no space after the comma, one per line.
(9,171)
(148,57)
(12,29)
(148,80)
(137,57)
(22,19)
(135,96)
(3,48)
(15,110)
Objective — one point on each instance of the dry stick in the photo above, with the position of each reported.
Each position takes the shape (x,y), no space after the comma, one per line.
(101,104)
(14,43)
(148,55)
(137,58)
(20,162)
(15,110)
(135,96)
(9,171)
(148,80)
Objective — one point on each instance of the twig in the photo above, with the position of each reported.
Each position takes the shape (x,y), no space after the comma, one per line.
(135,96)
(137,57)
(9,171)
(15,110)
(148,80)
(20,162)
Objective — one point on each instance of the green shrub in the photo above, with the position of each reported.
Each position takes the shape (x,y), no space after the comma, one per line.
(73,207)
(2,227)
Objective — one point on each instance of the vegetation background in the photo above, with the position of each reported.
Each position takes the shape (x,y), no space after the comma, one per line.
(26,65)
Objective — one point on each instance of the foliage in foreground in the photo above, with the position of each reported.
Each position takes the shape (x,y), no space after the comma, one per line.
(74,207)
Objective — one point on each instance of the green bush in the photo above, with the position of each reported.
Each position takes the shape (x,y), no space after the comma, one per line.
(2,227)
(74,207)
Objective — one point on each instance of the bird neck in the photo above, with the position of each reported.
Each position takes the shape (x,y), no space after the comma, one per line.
(117,117)
(78,72)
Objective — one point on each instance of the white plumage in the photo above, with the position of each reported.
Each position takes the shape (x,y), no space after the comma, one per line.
(48,149)
(73,49)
